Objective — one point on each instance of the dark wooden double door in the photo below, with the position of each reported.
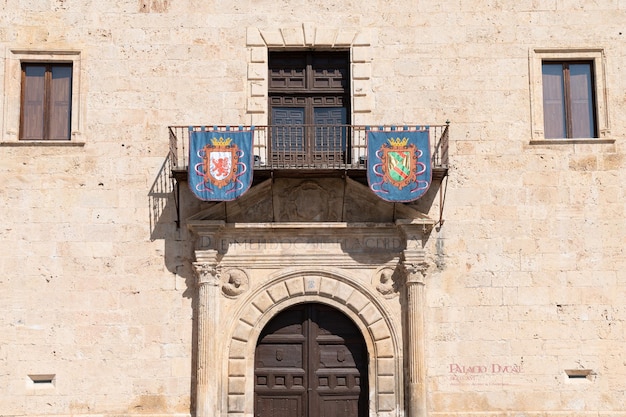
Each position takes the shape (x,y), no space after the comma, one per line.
(311,361)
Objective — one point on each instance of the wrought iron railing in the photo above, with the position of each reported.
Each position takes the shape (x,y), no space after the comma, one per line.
(310,146)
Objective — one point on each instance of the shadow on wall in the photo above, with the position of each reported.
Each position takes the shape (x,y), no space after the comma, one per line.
(160,199)
(164,220)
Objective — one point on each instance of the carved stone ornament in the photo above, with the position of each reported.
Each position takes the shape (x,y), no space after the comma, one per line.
(386,283)
(305,202)
(234,282)
(207,273)
(416,272)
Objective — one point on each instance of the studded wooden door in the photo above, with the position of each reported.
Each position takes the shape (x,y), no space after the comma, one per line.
(311,361)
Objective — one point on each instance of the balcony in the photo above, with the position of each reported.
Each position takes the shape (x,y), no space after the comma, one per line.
(310,150)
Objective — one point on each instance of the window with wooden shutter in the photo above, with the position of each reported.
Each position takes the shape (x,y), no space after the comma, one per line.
(568,100)
(46,106)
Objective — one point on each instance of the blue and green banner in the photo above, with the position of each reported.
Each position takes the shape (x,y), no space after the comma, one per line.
(220,163)
(398,163)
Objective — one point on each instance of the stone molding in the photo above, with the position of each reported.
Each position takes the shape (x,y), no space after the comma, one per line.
(10,117)
(537,56)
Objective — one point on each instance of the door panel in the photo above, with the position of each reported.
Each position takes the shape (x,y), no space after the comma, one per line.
(280,406)
(311,361)
(339,406)
(288,136)
(330,133)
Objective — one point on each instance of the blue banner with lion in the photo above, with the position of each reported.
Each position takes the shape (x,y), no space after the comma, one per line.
(220,163)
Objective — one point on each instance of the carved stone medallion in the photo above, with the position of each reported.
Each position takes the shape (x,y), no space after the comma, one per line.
(234,282)
(386,282)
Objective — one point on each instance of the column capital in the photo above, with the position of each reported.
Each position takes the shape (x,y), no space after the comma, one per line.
(207,273)
(415,271)
(206,267)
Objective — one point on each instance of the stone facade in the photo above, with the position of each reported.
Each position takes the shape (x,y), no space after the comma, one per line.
(499,293)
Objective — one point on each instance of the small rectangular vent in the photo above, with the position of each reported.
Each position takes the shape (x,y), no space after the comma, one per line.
(41,380)
(587,374)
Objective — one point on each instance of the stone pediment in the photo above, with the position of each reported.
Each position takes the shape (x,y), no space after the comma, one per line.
(309,200)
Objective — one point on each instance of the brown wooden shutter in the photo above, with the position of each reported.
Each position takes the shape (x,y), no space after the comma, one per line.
(46,101)
(60,102)
(33,105)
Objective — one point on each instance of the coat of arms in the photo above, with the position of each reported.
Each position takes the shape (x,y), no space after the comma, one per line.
(399,164)
(220,164)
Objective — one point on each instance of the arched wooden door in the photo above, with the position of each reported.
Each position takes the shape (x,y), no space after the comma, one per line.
(310,361)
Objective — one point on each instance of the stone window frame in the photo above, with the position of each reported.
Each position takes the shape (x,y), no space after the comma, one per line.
(308,36)
(12,99)
(596,55)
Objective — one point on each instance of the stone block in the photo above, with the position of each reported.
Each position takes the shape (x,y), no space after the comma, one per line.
(278,292)
(386,402)
(379,330)
(386,384)
(236,385)
(325,36)
(384,348)
(263,302)
(295,286)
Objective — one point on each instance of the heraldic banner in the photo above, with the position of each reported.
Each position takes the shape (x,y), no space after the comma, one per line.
(220,163)
(398,163)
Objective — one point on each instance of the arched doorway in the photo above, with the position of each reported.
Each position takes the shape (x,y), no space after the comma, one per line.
(310,361)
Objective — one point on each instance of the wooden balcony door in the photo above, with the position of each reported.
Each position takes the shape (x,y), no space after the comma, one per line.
(309,97)
(311,361)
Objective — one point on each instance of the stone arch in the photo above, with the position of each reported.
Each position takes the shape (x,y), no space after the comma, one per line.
(346,295)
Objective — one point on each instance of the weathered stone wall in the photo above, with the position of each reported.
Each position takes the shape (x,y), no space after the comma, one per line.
(527,281)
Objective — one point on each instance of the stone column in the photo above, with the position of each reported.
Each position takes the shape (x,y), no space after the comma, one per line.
(415,323)
(415,266)
(207,394)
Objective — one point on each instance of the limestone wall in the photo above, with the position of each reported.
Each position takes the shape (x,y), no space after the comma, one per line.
(526,279)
